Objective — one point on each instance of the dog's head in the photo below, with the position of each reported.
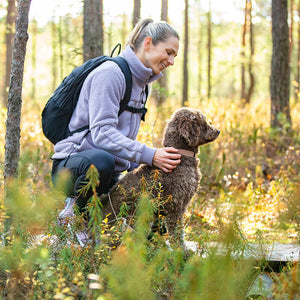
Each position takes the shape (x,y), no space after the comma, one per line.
(188,128)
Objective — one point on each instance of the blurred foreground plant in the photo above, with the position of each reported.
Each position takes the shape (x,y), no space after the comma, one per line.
(58,268)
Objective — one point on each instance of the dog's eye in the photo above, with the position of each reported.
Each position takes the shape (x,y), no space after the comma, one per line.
(203,126)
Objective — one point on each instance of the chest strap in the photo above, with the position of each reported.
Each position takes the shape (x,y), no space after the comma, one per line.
(135,110)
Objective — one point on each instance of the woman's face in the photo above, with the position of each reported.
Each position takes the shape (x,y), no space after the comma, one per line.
(159,56)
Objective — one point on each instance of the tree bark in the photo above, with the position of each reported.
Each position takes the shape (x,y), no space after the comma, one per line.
(164,10)
(9,40)
(243,55)
(251,42)
(293,75)
(12,137)
(34,31)
(199,81)
(93,29)
(280,69)
(185,96)
(163,85)
(291,29)
(136,12)
(298,58)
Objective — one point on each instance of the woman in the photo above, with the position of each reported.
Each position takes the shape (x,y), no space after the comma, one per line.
(110,144)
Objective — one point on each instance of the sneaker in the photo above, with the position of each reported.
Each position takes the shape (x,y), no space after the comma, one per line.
(81,236)
(68,212)
(66,217)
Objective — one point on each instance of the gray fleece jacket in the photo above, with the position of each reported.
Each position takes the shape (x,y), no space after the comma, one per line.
(98,106)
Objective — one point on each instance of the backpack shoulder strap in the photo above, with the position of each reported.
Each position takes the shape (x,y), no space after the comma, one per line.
(122,63)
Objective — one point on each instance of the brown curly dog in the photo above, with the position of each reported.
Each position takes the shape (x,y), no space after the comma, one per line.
(186,131)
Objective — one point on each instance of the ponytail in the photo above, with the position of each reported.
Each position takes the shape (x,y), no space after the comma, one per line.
(158,31)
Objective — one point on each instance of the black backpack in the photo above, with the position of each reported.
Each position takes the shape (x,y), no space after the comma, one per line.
(58,111)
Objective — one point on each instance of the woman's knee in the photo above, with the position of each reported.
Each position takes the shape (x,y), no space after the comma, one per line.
(103,161)
(105,165)
(79,164)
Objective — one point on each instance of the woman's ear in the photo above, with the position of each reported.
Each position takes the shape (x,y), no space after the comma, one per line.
(147,42)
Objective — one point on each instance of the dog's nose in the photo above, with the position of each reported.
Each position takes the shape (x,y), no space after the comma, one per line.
(218,131)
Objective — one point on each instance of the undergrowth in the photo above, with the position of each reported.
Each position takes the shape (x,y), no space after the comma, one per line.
(249,193)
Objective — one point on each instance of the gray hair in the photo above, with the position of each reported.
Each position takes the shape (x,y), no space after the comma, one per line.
(158,31)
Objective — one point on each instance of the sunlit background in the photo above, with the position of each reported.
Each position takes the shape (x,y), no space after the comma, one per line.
(44,10)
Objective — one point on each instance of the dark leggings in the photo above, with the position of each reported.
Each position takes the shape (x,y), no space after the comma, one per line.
(78,165)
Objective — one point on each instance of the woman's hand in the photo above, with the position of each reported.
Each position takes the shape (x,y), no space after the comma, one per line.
(166,159)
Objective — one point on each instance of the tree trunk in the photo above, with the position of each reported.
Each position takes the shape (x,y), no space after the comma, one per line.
(280,70)
(185,55)
(109,33)
(54,69)
(161,94)
(291,30)
(60,47)
(33,59)
(12,137)
(251,42)
(243,55)
(136,12)
(199,81)
(298,58)
(93,29)
(9,40)
(209,50)
(164,10)
(293,75)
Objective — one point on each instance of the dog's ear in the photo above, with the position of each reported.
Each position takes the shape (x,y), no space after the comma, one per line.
(189,129)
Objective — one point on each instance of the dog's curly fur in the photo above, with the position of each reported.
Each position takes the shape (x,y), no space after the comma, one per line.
(187,129)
